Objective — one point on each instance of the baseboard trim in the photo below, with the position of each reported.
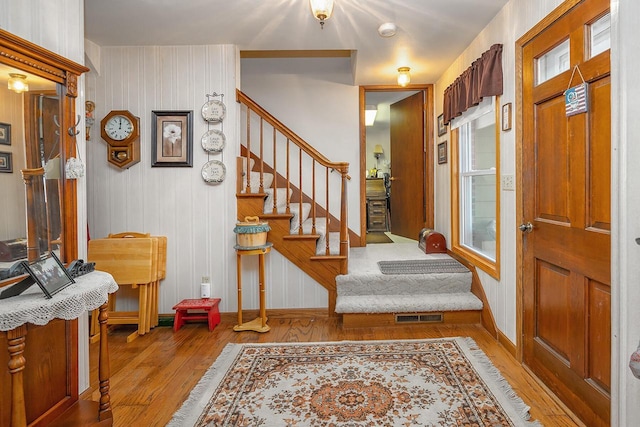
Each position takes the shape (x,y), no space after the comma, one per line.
(507,344)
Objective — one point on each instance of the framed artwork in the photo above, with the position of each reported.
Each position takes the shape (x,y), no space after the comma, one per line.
(442,129)
(49,274)
(5,134)
(172,138)
(442,153)
(506,116)
(6,162)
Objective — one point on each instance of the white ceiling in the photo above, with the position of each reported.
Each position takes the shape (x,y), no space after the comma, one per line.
(431,33)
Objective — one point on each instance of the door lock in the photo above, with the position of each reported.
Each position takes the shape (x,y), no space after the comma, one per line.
(526,228)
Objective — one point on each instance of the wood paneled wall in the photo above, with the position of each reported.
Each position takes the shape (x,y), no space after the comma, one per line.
(197,218)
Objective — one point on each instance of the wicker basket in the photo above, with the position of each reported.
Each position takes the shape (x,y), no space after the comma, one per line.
(251,233)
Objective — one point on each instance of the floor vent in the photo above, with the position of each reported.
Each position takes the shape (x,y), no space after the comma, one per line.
(419,318)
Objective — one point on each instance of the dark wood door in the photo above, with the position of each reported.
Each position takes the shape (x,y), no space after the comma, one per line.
(566,198)
(408,172)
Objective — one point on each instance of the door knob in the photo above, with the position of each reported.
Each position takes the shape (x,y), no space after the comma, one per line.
(392,178)
(526,228)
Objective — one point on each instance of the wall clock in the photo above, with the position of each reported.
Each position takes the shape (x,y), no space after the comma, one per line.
(121,131)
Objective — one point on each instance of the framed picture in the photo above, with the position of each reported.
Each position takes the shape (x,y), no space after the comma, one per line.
(6,162)
(506,116)
(5,134)
(442,153)
(442,129)
(172,138)
(49,274)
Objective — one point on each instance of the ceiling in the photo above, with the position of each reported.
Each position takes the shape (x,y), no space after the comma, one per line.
(430,35)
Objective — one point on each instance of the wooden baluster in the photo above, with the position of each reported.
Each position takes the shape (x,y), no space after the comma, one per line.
(104,411)
(326,219)
(16,342)
(288,176)
(344,242)
(300,231)
(248,176)
(275,173)
(261,158)
(313,196)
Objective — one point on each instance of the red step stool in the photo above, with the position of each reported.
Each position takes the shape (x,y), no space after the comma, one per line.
(209,305)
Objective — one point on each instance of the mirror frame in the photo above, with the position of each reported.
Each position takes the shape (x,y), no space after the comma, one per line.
(31,58)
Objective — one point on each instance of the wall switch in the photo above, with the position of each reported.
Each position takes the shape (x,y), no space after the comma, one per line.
(508,183)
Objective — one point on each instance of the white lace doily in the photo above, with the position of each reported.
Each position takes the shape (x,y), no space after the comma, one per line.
(87,293)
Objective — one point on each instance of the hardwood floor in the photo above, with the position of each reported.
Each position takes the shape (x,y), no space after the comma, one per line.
(153,375)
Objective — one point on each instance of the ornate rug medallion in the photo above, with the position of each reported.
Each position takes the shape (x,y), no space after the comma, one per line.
(442,382)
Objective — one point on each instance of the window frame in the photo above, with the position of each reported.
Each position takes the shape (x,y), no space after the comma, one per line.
(479,260)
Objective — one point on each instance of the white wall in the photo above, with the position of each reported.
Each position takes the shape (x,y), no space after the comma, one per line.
(197,218)
(516,18)
(316,99)
(625,269)
(58,25)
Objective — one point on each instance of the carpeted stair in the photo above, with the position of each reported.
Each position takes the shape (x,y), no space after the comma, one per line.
(365,290)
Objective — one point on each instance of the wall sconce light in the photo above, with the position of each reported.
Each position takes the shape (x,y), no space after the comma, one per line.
(377,152)
(17,83)
(370,112)
(403,76)
(322,10)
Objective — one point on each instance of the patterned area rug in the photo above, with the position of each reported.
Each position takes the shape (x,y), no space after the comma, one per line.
(422,266)
(440,382)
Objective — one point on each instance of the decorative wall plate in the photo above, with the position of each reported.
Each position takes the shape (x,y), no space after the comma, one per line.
(214,171)
(213,141)
(213,111)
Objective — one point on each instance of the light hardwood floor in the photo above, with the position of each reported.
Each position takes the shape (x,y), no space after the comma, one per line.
(153,375)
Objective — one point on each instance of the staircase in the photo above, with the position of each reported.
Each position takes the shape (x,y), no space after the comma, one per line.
(302,194)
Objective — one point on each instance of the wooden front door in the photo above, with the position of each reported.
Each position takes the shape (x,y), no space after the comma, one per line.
(408,172)
(566,212)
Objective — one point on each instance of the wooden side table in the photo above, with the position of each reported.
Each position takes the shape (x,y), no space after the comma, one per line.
(259,324)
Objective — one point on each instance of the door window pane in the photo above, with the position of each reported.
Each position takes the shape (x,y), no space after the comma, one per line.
(600,35)
(552,63)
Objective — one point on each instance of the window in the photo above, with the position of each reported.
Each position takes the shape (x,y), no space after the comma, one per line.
(475,190)
(600,35)
(552,63)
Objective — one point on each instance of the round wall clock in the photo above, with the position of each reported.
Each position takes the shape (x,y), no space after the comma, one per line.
(214,171)
(213,141)
(213,111)
(119,128)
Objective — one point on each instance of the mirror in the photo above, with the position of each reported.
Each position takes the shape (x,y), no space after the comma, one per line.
(37,135)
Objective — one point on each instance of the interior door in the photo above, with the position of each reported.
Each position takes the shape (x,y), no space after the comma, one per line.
(567,221)
(408,172)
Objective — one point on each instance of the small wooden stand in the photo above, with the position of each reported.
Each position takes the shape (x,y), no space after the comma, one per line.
(259,324)
(209,305)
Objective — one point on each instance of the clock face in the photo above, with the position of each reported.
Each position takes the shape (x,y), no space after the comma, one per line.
(118,128)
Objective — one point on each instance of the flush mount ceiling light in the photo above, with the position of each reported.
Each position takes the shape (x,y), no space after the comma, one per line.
(17,83)
(403,76)
(370,112)
(322,10)
(388,29)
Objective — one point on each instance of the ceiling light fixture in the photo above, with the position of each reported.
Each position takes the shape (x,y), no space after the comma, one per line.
(403,76)
(370,112)
(322,10)
(17,83)
(388,29)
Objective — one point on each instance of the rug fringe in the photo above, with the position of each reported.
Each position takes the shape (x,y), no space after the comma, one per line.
(495,375)
(218,368)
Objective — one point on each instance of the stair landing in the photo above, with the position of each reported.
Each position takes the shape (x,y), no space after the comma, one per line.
(366,297)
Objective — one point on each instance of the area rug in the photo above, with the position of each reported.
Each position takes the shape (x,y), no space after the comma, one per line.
(373,237)
(422,266)
(438,382)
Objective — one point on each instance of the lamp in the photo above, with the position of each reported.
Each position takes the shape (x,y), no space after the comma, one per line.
(17,83)
(403,76)
(377,152)
(370,112)
(321,9)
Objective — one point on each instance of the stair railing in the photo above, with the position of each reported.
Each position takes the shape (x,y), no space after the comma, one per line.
(307,161)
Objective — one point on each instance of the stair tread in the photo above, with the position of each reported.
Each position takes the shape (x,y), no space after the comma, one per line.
(407,303)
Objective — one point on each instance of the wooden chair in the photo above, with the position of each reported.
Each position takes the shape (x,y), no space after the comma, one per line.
(131,262)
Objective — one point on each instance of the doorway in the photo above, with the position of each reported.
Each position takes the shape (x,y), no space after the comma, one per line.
(565,202)
(396,156)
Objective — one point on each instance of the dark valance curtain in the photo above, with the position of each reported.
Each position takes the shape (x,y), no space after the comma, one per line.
(482,78)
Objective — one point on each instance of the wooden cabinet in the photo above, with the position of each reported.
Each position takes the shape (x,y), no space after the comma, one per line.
(377,214)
